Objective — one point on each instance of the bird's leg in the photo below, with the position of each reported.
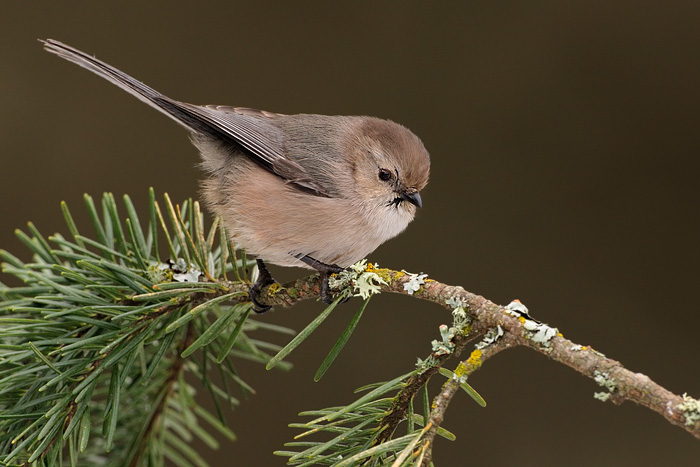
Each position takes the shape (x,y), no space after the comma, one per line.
(324,270)
(264,278)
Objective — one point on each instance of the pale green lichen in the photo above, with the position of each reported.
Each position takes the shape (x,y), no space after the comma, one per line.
(191,275)
(460,319)
(414,283)
(367,283)
(159,272)
(424,364)
(460,379)
(446,346)
(540,332)
(491,336)
(461,322)
(604,379)
(517,308)
(456,302)
(183,272)
(178,271)
(691,409)
(360,280)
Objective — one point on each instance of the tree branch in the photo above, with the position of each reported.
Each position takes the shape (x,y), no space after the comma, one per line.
(519,330)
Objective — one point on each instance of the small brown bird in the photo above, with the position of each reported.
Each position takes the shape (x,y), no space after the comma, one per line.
(303,190)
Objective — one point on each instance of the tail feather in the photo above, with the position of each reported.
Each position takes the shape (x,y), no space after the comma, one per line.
(251,131)
(146,94)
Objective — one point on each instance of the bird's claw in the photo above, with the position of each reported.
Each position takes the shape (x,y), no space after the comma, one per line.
(264,279)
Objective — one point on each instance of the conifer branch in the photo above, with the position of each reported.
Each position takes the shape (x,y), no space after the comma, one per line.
(104,328)
(519,329)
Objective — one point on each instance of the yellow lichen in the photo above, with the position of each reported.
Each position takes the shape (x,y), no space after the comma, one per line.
(474,359)
(384,274)
(461,370)
(275,288)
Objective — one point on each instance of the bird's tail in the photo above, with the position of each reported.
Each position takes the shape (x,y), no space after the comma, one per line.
(178,111)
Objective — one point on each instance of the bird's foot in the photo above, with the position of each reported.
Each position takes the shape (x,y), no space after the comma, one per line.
(264,279)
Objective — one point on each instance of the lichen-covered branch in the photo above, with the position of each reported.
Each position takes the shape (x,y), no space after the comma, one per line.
(61,333)
(518,329)
(451,387)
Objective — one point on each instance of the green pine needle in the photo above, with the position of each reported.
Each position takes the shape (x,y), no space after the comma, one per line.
(466,387)
(99,333)
(301,337)
(342,340)
(101,341)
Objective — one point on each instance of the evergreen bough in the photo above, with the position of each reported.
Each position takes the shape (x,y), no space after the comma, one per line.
(101,343)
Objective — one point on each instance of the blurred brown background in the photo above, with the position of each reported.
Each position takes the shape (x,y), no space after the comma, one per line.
(564,141)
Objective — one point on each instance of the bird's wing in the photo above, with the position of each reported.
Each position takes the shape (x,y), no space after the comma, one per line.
(253,131)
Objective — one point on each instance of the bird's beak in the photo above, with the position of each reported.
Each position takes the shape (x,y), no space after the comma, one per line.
(413,198)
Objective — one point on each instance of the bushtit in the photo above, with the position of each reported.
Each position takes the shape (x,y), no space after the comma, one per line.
(312,191)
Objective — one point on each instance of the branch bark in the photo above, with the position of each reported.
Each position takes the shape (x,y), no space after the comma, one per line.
(620,383)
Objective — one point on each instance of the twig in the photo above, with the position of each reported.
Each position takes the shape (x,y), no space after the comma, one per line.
(451,387)
(168,388)
(620,383)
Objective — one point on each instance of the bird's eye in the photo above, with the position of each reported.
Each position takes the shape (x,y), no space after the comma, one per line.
(384,174)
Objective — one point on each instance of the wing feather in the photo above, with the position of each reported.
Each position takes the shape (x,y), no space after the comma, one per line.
(253,131)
